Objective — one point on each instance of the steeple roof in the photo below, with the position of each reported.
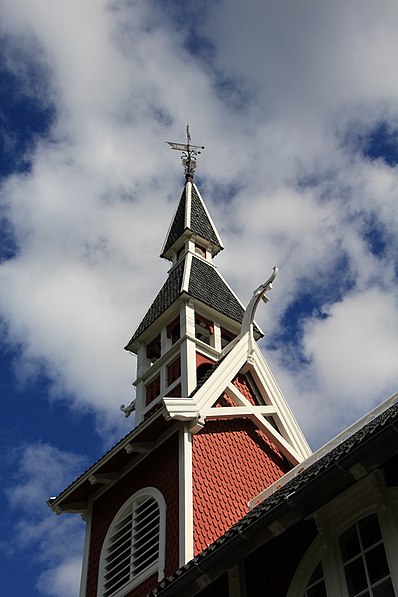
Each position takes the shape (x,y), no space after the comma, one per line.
(198,279)
(191,216)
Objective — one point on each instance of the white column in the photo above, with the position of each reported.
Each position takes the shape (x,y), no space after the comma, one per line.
(188,350)
(185,496)
(86,552)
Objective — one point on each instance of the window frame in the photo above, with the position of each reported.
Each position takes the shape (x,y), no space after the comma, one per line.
(368,496)
(157,566)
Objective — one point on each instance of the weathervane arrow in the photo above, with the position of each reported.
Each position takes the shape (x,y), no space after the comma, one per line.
(189,153)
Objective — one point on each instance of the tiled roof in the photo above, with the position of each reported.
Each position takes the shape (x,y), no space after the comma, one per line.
(200,223)
(169,293)
(178,224)
(361,443)
(195,219)
(130,435)
(205,285)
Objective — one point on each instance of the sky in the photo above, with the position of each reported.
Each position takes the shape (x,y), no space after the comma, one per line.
(297,106)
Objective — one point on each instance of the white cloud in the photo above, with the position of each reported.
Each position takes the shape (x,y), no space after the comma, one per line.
(41,470)
(354,349)
(62,581)
(273,99)
(278,93)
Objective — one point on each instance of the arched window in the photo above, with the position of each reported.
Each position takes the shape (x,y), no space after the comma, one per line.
(134,546)
(356,550)
(354,565)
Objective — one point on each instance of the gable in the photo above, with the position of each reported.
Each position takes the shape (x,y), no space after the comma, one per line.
(263,403)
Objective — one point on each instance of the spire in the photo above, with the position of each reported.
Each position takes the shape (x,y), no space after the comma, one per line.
(191,219)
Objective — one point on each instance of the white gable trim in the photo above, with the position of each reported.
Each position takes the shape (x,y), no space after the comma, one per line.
(241,358)
(256,414)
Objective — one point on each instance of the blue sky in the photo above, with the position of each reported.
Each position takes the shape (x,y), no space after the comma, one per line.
(297,105)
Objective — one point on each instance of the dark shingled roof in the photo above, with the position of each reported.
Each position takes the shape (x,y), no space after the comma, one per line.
(205,285)
(169,293)
(199,224)
(285,497)
(178,225)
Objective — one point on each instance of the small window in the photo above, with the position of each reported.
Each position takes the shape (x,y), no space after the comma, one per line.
(153,390)
(226,337)
(153,350)
(134,546)
(175,392)
(174,371)
(199,250)
(316,585)
(204,329)
(173,330)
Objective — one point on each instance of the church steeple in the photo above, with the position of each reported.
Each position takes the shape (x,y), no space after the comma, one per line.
(212,428)
(198,366)
(194,315)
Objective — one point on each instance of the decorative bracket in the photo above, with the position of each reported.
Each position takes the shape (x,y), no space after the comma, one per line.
(139,447)
(248,318)
(127,410)
(104,478)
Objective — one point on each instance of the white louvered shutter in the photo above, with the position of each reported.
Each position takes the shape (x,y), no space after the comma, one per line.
(133,546)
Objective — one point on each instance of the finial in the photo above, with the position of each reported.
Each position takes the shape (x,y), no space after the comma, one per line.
(258,294)
(189,153)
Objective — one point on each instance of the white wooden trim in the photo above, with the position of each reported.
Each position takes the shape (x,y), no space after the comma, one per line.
(289,439)
(86,552)
(187,273)
(288,420)
(185,497)
(188,201)
(233,412)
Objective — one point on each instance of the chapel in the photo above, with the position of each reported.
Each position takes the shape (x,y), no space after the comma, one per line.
(215,490)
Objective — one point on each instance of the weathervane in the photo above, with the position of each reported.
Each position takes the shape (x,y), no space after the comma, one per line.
(189,153)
